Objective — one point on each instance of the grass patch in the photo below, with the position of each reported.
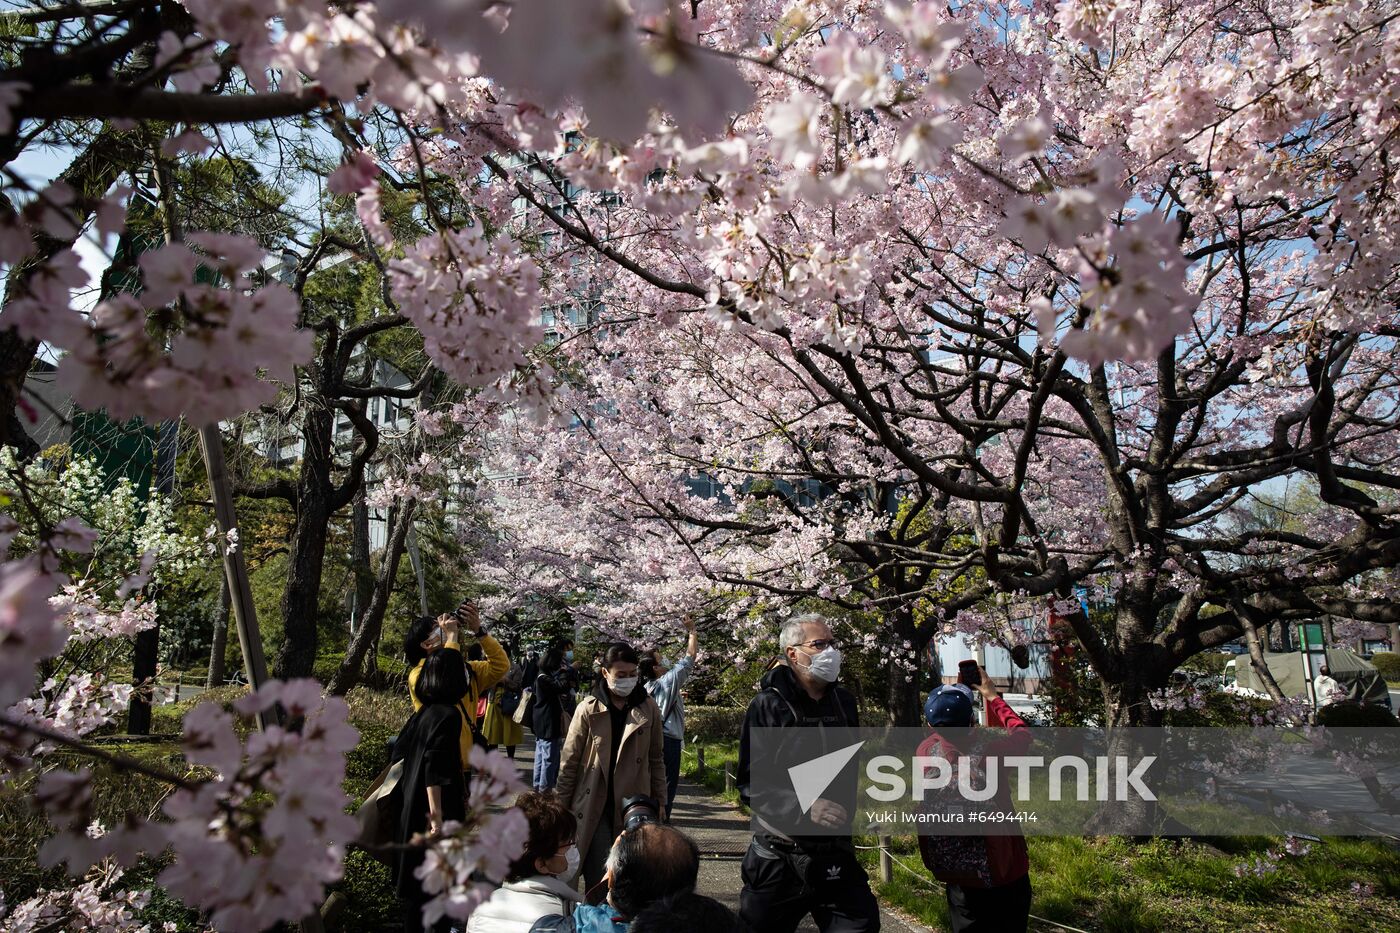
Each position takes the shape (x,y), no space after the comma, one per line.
(719,757)
(1117,885)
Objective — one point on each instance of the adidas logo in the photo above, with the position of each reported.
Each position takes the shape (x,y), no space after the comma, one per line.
(833,873)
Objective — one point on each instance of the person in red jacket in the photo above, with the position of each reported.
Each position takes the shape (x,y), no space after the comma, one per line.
(987,877)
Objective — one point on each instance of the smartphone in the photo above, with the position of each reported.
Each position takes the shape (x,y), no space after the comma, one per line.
(969,673)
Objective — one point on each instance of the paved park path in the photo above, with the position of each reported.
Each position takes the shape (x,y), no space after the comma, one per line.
(722,833)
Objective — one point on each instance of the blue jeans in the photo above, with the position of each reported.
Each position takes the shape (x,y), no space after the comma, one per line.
(671,755)
(547,763)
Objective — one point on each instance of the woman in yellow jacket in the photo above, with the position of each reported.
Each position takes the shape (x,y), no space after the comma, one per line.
(481,675)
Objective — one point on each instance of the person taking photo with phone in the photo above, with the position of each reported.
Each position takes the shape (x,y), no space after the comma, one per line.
(428,635)
(987,877)
(432,790)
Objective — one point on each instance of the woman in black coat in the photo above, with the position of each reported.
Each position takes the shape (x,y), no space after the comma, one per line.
(433,787)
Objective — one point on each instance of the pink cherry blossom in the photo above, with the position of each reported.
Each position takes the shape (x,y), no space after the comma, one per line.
(357,174)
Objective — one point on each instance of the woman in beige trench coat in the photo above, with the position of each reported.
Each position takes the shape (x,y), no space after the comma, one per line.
(612,752)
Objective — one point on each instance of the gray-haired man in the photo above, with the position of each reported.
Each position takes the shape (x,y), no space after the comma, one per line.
(788,875)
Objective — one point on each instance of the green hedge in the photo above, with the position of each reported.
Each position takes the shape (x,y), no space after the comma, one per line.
(1221,709)
(387,708)
(1207,662)
(372,906)
(720,723)
(390,669)
(1356,714)
(1388,663)
(168,720)
(714,722)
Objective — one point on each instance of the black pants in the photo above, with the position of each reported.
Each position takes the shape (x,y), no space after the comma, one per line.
(1002,909)
(775,897)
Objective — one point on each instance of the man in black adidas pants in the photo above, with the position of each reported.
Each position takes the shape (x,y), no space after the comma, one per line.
(789,874)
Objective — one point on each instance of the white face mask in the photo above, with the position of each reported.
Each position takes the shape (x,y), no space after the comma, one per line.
(571,859)
(825,665)
(622,686)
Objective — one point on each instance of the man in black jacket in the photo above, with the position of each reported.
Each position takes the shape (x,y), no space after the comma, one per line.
(789,873)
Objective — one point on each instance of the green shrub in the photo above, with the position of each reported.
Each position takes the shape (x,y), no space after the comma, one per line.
(167,720)
(1221,709)
(1207,662)
(1355,714)
(714,722)
(725,722)
(364,762)
(1388,663)
(369,889)
(115,794)
(325,667)
(389,671)
(387,708)
(379,715)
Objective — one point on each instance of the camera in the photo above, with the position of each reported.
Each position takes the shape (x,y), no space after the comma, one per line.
(639,809)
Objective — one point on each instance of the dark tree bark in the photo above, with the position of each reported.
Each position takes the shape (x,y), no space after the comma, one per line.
(902,691)
(145,657)
(353,666)
(301,595)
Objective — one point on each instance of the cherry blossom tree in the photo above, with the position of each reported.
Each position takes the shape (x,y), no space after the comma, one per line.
(1078,276)
(951,225)
(704,476)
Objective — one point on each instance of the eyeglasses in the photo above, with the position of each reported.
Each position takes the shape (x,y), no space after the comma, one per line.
(821,644)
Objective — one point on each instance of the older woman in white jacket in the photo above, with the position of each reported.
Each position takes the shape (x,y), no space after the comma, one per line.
(536,885)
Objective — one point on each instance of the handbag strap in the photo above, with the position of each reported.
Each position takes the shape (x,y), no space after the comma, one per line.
(477,737)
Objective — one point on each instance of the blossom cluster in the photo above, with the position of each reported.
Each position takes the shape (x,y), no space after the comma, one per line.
(221,338)
(467,861)
(99,903)
(256,843)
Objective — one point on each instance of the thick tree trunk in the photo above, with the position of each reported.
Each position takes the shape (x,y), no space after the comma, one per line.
(1140,672)
(301,596)
(219,647)
(16,356)
(1126,703)
(351,669)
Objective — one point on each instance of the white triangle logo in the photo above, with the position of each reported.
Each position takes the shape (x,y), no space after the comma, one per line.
(811,778)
